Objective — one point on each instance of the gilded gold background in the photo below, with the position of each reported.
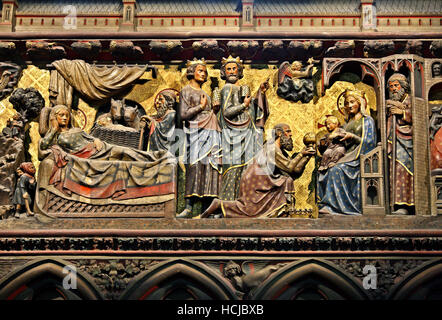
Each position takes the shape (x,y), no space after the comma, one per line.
(302,118)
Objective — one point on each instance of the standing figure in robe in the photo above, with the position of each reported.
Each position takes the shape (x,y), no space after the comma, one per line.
(242,121)
(203,140)
(399,106)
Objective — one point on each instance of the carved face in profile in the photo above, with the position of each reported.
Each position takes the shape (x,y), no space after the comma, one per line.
(31,169)
(286,139)
(352,105)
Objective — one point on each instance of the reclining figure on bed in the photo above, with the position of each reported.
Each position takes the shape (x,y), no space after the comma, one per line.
(80,168)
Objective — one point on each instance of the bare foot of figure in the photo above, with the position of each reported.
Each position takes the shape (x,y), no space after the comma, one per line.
(212,209)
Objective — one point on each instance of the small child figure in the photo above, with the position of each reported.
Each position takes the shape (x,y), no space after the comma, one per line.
(23,197)
(334,148)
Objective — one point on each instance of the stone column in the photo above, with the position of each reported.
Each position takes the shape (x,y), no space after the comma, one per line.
(368,15)
(247,14)
(7,23)
(129,15)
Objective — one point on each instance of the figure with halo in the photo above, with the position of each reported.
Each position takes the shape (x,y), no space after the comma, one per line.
(339,187)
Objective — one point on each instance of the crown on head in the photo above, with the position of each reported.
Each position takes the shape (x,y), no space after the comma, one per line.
(196,61)
(237,60)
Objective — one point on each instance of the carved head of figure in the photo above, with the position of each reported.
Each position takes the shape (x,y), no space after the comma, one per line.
(62,114)
(297,65)
(231,270)
(397,86)
(354,102)
(231,69)
(283,136)
(331,123)
(116,110)
(166,100)
(28,167)
(197,70)
(436,69)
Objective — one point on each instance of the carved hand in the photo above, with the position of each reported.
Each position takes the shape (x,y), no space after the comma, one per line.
(391,103)
(98,144)
(203,101)
(308,152)
(265,85)
(146,118)
(247,101)
(396,110)
(347,136)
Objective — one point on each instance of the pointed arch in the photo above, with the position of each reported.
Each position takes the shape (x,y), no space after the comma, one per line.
(367,68)
(175,279)
(310,279)
(36,278)
(435,91)
(423,283)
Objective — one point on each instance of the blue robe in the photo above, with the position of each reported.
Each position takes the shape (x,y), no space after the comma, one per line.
(339,188)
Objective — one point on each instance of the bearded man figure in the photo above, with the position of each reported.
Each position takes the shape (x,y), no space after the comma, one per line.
(161,126)
(203,140)
(400,120)
(242,120)
(268,181)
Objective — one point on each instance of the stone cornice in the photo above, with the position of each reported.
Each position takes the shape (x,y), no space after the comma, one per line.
(223,245)
(220,35)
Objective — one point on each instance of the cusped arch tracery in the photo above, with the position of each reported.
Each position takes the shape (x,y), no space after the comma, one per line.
(313,280)
(370,69)
(423,283)
(179,279)
(42,279)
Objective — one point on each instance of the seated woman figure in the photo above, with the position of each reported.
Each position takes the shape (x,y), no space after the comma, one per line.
(86,169)
(339,187)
